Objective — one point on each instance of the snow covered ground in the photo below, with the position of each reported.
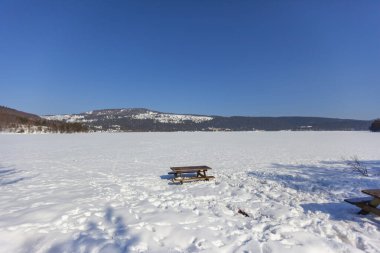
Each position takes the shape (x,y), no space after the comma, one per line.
(110,192)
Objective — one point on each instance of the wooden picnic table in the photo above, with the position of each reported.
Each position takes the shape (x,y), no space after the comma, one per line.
(369,204)
(186,173)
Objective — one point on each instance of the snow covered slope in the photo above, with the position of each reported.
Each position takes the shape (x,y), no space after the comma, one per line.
(14,121)
(171,118)
(141,114)
(144,120)
(110,192)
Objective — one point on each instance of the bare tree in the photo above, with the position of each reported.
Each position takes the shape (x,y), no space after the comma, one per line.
(356,165)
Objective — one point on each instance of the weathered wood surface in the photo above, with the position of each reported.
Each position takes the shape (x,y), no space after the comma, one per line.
(369,204)
(189,179)
(368,208)
(190,169)
(372,192)
(182,174)
(355,201)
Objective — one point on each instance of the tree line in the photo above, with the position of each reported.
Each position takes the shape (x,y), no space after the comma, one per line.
(375,126)
(15,121)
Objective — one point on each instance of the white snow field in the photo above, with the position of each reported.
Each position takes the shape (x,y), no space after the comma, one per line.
(105,192)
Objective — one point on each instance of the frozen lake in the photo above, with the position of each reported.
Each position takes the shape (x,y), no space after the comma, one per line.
(110,192)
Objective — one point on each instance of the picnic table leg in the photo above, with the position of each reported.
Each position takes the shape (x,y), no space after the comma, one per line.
(374,203)
(204,175)
(181,181)
(201,173)
(174,177)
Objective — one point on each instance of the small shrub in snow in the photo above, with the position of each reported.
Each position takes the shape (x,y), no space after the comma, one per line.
(357,166)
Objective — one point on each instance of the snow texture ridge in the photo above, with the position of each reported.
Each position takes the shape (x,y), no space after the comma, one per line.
(104,192)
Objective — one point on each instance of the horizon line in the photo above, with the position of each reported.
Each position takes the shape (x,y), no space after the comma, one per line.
(210,115)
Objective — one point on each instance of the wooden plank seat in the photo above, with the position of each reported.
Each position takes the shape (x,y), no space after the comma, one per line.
(358,201)
(372,192)
(190,173)
(190,179)
(368,204)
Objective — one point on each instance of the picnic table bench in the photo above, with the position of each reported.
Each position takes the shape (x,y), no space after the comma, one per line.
(369,204)
(190,173)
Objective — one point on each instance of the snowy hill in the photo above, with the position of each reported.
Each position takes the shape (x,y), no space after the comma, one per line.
(139,114)
(140,119)
(12,120)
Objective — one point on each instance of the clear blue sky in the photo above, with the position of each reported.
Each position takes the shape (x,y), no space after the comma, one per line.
(259,58)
